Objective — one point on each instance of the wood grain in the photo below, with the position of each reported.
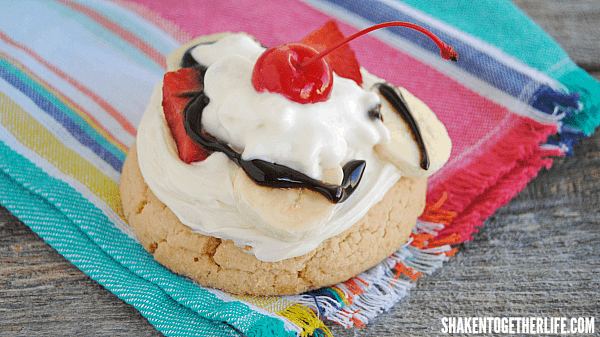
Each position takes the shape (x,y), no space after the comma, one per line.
(573,24)
(537,256)
(41,293)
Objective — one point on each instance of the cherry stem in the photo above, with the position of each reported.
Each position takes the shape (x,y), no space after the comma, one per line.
(447,52)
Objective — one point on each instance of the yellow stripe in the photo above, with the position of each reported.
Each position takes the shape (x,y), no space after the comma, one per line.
(306,319)
(269,303)
(34,136)
(340,294)
(296,313)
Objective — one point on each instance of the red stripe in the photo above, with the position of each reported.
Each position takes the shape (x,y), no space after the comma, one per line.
(167,26)
(62,97)
(147,49)
(101,102)
(479,189)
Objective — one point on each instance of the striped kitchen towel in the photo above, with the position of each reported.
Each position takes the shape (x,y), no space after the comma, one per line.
(76,76)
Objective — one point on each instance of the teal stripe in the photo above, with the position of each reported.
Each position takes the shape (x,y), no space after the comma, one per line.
(503,24)
(164,45)
(118,45)
(82,233)
(577,80)
(500,23)
(63,235)
(68,112)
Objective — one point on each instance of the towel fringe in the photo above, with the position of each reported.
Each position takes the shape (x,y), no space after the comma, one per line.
(580,81)
(386,284)
(490,182)
(306,319)
(359,300)
(556,103)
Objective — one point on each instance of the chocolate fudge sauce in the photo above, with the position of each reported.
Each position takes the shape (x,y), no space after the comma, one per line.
(262,172)
(394,97)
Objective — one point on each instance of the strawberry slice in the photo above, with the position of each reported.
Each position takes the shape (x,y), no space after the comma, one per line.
(177,88)
(342,60)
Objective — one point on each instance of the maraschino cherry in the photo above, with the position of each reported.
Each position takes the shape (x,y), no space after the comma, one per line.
(278,70)
(301,74)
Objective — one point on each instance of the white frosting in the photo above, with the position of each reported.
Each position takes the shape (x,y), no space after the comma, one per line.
(306,137)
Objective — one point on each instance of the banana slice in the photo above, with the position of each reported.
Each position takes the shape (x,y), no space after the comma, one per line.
(285,214)
(403,149)
(175,57)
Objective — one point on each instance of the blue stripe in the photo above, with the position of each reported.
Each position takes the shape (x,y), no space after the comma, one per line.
(473,61)
(72,127)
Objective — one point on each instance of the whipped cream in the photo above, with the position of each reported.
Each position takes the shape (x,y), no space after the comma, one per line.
(310,138)
(305,137)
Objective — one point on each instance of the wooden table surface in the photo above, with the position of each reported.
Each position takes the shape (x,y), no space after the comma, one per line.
(537,256)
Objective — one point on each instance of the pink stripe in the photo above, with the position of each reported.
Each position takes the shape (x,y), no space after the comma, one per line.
(150,16)
(480,129)
(274,22)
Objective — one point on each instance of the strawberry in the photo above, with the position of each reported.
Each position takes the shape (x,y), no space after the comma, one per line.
(342,60)
(178,87)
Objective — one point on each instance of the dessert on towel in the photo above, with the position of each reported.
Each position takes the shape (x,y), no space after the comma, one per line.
(277,171)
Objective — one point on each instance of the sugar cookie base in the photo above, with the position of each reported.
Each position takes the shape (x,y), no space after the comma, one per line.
(219,263)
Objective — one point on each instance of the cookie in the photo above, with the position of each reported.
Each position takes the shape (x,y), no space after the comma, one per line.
(219,263)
